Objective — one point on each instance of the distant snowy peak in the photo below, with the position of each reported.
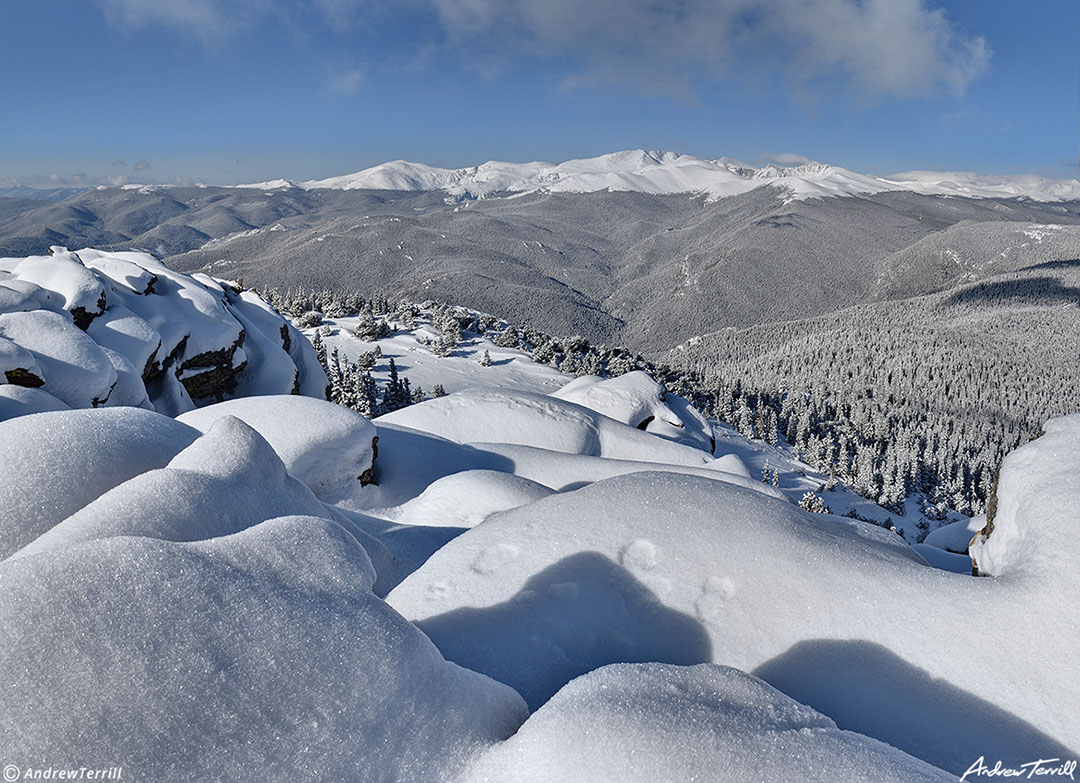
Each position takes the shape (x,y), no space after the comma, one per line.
(965,183)
(661,173)
(273,184)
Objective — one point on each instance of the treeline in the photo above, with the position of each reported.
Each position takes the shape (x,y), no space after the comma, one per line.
(351,381)
(922,396)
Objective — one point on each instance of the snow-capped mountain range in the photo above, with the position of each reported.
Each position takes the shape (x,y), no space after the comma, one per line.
(662,173)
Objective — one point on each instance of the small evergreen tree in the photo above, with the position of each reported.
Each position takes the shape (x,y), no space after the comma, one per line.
(507,338)
(813,503)
(366,328)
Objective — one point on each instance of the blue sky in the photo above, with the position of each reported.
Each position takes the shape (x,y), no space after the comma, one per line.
(222,91)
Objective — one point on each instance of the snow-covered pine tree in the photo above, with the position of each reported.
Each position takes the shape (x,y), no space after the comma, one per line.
(396,394)
(507,338)
(366,328)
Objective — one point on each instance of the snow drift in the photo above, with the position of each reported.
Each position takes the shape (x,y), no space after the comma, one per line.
(622,722)
(840,615)
(260,655)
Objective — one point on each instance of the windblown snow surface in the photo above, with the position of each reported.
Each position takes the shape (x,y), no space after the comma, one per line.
(534,588)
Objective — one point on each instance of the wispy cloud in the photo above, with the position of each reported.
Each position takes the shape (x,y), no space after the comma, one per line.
(346,82)
(787,159)
(880,48)
(141,165)
(204,19)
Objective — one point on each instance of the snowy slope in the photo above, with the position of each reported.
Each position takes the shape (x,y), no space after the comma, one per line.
(656,172)
(277,586)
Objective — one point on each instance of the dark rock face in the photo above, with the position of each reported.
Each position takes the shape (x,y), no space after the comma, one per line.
(220,377)
(368,476)
(21,377)
(84,317)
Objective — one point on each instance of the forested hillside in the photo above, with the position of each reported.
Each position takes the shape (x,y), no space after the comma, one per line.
(925,394)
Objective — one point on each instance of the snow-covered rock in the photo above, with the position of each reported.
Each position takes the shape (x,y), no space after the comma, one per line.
(19,366)
(186,339)
(326,446)
(636,399)
(541,421)
(643,723)
(956,536)
(468,498)
(259,655)
(225,481)
(77,289)
(22,401)
(120,330)
(562,471)
(56,463)
(73,367)
(1035,512)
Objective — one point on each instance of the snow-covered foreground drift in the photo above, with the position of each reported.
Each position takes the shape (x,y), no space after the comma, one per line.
(203,598)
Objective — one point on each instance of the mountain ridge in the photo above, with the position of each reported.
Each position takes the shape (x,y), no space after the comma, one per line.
(659,172)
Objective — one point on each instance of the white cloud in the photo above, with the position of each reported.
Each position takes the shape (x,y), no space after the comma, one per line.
(346,82)
(880,48)
(205,19)
(787,159)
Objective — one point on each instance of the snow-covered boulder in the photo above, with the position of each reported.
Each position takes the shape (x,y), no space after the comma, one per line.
(643,723)
(681,569)
(541,421)
(22,401)
(56,463)
(120,330)
(187,339)
(328,447)
(19,366)
(75,288)
(561,471)
(129,389)
(120,269)
(410,461)
(1035,512)
(730,463)
(956,537)
(638,400)
(468,498)
(73,367)
(259,655)
(225,481)
(266,343)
